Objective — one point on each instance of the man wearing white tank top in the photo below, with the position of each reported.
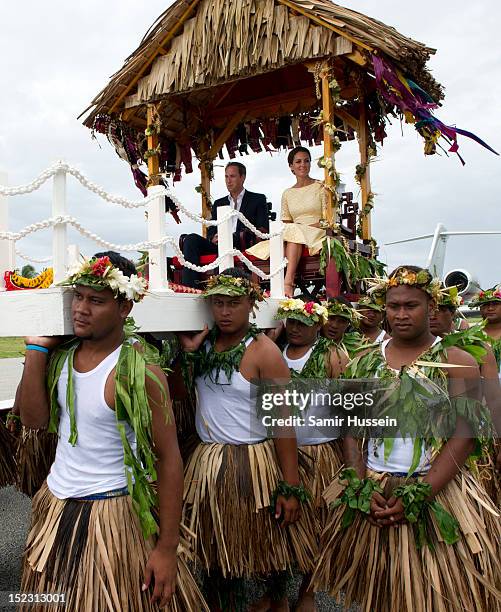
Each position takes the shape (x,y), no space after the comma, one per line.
(310,356)
(102,536)
(242,491)
(415,487)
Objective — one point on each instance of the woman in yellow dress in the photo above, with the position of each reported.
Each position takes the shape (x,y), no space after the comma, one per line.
(302,209)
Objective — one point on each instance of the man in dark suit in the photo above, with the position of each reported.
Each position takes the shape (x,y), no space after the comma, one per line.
(252,205)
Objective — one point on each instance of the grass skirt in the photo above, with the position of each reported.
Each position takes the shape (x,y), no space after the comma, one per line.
(7,460)
(326,461)
(488,476)
(35,454)
(227,495)
(383,570)
(95,553)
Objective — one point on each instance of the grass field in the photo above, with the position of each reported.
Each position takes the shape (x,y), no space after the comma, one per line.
(11,347)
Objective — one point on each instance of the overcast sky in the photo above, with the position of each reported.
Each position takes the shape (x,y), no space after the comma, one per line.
(55,56)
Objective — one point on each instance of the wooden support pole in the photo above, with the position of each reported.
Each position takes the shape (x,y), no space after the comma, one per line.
(228,130)
(205,183)
(153,163)
(347,118)
(365,182)
(328,116)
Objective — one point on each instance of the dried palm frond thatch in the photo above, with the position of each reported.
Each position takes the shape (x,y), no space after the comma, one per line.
(203,43)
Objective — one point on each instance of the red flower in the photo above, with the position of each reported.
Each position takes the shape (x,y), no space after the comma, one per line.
(100,266)
(309,307)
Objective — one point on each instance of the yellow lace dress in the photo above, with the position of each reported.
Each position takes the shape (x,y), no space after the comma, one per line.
(302,206)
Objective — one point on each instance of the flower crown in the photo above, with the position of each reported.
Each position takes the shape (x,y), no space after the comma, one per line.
(100,273)
(367,301)
(450,297)
(223,284)
(308,313)
(338,309)
(403,276)
(484,297)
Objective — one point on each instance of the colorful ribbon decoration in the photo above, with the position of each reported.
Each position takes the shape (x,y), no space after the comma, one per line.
(417,105)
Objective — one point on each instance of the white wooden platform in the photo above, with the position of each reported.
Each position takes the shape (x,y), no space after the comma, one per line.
(47,312)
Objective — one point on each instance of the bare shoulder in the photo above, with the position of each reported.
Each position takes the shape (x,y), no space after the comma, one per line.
(458,357)
(269,359)
(265,347)
(158,376)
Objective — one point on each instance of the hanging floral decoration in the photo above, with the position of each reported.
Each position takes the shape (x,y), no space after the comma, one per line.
(406,97)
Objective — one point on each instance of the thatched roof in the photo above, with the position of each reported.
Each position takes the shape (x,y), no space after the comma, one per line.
(201,45)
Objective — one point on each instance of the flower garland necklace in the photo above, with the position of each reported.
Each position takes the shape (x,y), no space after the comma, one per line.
(209,363)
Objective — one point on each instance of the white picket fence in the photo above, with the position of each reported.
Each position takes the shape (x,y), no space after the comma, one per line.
(63,255)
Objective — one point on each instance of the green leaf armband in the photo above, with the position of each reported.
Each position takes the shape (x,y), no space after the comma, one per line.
(356,496)
(415,499)
(286,490)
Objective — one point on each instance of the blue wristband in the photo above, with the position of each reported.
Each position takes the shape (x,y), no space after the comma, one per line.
(35,347)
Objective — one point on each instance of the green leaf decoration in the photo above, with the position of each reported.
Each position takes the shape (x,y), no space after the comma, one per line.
(286,490)
(447,524)
(415,499)
(209,363)
(356,496)
(415,391)
(316,366)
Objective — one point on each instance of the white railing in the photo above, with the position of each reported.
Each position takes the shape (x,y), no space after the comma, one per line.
(157,238)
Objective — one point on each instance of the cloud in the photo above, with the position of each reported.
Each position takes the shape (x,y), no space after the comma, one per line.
(57,55)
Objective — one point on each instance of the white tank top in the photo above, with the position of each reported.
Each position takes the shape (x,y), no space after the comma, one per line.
(309,434)
(400,459)
(96,463)
(226,412)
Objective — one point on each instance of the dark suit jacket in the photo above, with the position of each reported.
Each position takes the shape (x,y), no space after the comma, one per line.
(253,207)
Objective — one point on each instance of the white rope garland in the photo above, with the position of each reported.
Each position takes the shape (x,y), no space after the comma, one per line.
(124,202)
(140,246)
(33,259)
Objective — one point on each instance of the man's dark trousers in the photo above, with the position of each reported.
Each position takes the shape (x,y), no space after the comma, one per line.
(253,207)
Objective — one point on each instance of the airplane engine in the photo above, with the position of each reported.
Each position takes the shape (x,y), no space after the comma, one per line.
(467,285)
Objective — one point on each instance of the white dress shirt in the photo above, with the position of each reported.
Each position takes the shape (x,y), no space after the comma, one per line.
(236,204)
